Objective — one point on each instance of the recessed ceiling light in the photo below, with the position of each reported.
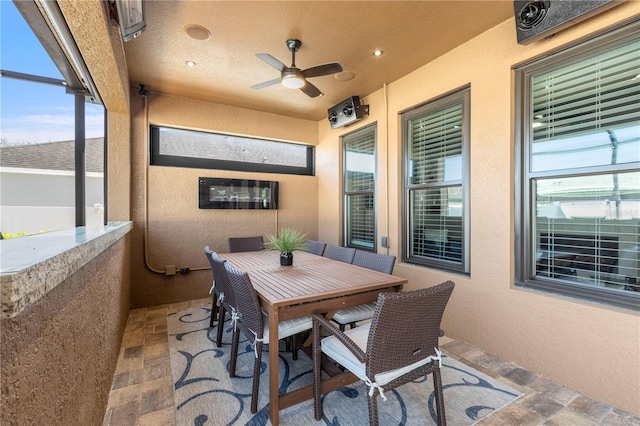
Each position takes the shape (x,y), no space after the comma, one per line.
(197,32)
(190,64)
(377,52)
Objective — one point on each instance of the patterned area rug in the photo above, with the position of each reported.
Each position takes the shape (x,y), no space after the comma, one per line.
(206,396)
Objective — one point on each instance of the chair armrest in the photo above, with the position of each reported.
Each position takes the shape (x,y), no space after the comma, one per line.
(321,321)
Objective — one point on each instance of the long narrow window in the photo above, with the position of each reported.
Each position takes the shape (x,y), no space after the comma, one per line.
(205,150)
(436,151)
(579,154)
(359,154)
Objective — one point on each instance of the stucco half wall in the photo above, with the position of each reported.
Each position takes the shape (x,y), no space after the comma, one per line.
(59,355)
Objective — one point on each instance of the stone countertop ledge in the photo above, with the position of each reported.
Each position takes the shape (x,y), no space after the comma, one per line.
(32,266)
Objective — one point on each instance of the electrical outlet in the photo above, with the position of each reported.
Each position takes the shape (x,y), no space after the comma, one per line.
(170,270)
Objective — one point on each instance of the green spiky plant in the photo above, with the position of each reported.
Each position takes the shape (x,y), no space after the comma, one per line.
(287,241)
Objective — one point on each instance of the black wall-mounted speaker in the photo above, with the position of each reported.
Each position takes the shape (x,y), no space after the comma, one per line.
(540,19)
(346,112)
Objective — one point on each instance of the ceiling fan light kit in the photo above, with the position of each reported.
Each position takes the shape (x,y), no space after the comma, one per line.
(294,78)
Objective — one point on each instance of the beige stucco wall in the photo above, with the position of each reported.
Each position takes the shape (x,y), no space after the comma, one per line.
(592,348)
(59,355)
(177,229)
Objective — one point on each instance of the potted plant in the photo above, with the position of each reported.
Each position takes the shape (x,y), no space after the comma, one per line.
(287,241)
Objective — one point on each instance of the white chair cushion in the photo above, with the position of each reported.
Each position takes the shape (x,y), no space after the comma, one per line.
(287,328)
(343,356)
(354,313)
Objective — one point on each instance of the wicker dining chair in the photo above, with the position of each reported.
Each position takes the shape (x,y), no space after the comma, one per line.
(238,244)
(398,346)
(342,254)
(212,291)
(353,314)
(255,326)
(315,247)
(226,299)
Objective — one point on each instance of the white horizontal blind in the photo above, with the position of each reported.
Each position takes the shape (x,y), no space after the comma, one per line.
(589,237)
(359,187)
(579,110)
(434,138)
(435,190)
(359,171)
(361,221)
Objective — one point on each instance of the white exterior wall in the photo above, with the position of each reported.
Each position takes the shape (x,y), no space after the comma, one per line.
(43,200)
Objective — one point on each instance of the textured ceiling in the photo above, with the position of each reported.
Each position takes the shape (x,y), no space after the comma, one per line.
(410,33)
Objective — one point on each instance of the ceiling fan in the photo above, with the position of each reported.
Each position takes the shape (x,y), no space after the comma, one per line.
(294,78)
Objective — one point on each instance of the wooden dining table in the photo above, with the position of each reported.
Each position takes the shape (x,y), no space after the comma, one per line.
(313,284)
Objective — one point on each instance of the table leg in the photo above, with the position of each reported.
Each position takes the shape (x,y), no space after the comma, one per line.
(274,397)
(309,340)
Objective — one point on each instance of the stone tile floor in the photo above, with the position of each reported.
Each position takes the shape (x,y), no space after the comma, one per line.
(142,389)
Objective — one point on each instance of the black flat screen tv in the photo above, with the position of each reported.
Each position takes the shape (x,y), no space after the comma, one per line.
(221,193)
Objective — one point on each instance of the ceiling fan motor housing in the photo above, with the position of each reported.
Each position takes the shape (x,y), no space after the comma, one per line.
(346,112)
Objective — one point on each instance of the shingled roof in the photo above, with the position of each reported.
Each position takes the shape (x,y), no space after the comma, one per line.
(53,156)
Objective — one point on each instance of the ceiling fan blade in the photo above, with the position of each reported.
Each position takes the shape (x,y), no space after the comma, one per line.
(321,70)
(266,83)
(311,90)
(271,61)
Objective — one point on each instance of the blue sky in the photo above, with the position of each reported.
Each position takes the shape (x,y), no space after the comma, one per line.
(32,112)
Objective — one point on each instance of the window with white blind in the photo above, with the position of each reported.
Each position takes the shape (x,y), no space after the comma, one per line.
(436,182)
(579,157)
(359,156)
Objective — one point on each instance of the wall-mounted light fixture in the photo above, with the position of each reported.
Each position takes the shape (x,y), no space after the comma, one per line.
(130,17)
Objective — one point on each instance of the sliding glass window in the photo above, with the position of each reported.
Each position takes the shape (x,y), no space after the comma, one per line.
(436,182)
(359,159)
(578,153)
